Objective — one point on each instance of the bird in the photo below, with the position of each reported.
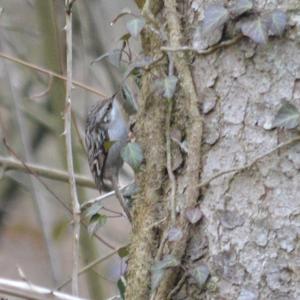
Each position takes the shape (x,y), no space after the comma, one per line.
(106,134)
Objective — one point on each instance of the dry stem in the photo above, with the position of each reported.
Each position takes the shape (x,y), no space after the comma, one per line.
(69,153)
(25,290)
(91,265)
(51,73)
(9,163)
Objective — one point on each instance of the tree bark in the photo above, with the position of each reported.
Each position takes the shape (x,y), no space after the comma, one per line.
(246,242)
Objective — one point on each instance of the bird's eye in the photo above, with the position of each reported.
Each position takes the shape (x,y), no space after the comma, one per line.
(109,107)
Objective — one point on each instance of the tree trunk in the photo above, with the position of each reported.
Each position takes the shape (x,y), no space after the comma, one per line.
(246,244)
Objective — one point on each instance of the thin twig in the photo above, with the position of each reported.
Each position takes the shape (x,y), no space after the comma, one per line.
(46,91)
(91,265)
(209,50)
(177,287)
(117,213)
(88,203)
(51,73)
(121,199)
(47,172)
(31,171)
(250,165)
(156,224)
(114,297)
(44,216)
(69,151)
(24,290)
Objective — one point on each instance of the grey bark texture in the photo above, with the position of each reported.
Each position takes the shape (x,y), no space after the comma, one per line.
(250,231)
(246,245)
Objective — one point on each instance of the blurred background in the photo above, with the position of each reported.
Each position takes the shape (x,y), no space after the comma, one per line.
(35,229)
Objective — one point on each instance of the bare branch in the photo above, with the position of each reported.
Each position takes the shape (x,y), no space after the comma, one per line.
(51,73)
(30,171)
(91,265)
(46,91)
(69,151)
(12,164)
(30,291)
(102,197)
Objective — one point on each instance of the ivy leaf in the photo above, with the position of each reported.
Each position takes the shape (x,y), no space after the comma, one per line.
(256,30)
(114,57)
(121,287)
(167,262)
(241,7)
(170,83)
(129,100)
(93,209)
(194,214)
(123,252)
(142,63)
(156,276)
(158,269)
(96,222)
(214,17)
(132,153)
(200,275)
(276,22)
(174,234)
(287,117)
(135,26)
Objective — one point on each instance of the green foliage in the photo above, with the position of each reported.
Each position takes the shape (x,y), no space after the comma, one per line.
(121,287)
(96,221)
(132,153)
(157,270)
(241,7)
(93,209)
(215,16)
(287,117)
(277,21)
(129,100)
(123,252)
(200,274)
(256,30)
